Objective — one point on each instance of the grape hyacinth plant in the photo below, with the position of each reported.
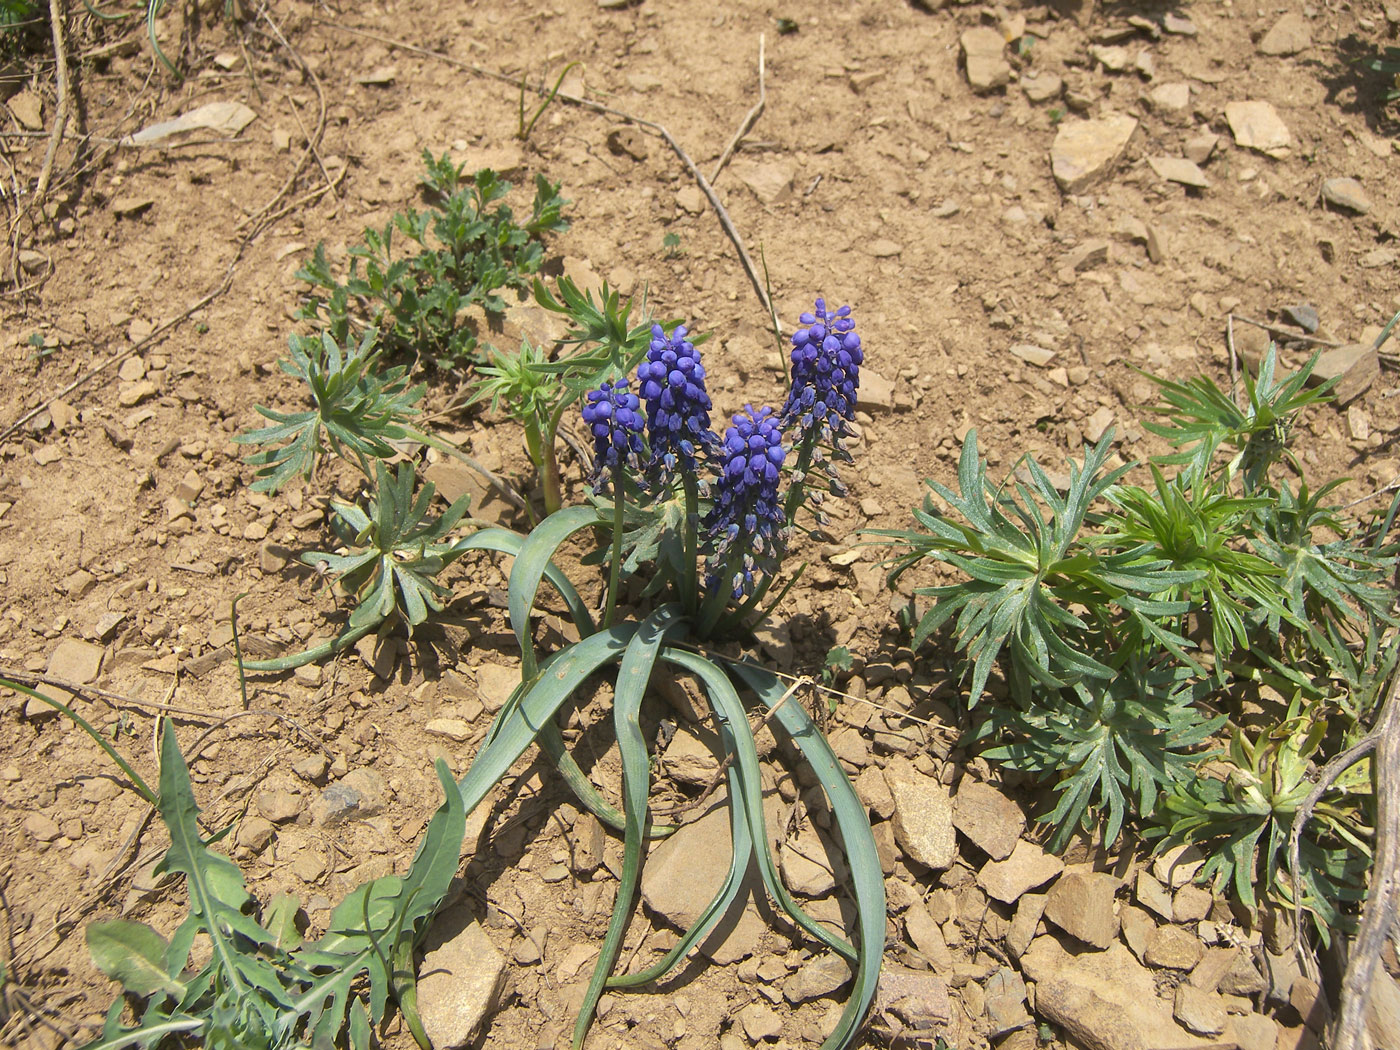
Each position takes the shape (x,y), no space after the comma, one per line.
(706,522)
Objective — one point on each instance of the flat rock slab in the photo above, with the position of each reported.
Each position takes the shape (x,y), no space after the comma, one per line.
(1289,35)
(1028,866)
(984,58)
(460,981)
(1257,126)
(1085,151)
(923,816)
(1081,904)
(1179,169)
(770,182)
(682,874)
(1107,1000)
(990,820)
(1346,193)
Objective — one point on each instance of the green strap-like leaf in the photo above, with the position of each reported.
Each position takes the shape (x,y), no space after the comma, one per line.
(854,825)
(632,679)
(506,542)
(531,564)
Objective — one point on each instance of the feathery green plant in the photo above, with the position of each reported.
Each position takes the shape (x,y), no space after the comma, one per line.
(465,249)
(1099,603)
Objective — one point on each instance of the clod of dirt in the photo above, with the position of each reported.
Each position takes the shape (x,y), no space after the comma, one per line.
(1085,151)
(28,109)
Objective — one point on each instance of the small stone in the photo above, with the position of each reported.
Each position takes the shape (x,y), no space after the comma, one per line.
(555,873)
(1006,1002)
(311,768)
(461,978)
(131,395)
(132,369)
(919,998)
(1303,315)
(379,655)
(1150,894)
(77,584)
(923,816)
(1171,98)
(875,793)
(1033,355)
(139,330)
(1254,1032)
(1021,931)
(769,181)
(494,684)
(309,675)
(1346,193)
(1178,169)
(1090,1020)
(1214,965)
(1137,927)
(1202,1012)
(1178,24)
(990,820)
(1081,903)
(190,486)
(32,262)
(875,393)
(273,558)
(1085,151)
(984,59)
(926,937)
(42,828)
(1173,948)
(28,109)
(279,806)
(883,248)
(453,728)
(255,833)
(1192,903)
(691,199)
(526,952)
(73,660)
(1098,424)
(1178,866)
(380,77)
(1199,148)
(281,140)
(627,141)
(1042,87)
(760,1022)
(812,864)
(1289,35)
(1028,866)
(817,978)
(1114,58)
(688,760)
(130,207)
(1256,125)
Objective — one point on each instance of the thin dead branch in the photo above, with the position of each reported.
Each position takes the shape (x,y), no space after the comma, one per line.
(750,119)
(1287,333)
(58,12)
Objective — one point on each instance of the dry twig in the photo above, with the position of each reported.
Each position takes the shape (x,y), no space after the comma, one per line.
(749,120)
(57,13)
(1286,333)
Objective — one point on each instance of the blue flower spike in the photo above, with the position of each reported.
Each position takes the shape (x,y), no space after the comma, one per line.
(748,525)
(672,383)
(826,360)
(614,417)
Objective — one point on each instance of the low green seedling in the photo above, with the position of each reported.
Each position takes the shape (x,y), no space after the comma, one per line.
(464,251)
(1127,618)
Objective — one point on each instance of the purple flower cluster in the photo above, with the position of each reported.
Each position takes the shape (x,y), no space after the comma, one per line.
(826,360)
(748,518)
(672,383)
(613,415)
(746,528)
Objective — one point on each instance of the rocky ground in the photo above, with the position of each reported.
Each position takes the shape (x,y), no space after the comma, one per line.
(1023,204)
